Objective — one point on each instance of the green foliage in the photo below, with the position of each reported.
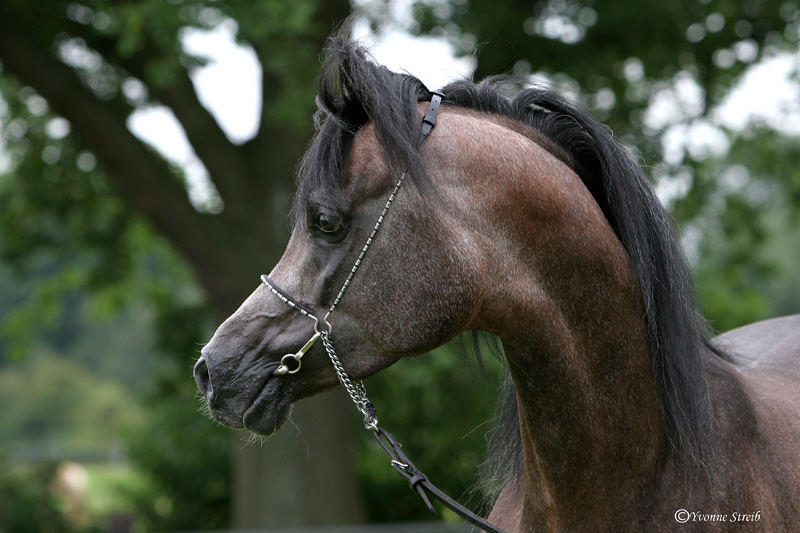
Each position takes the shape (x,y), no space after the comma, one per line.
(112,488)
(125,380)
(55,198)
(744,208)
(85,400)
(65,224)
(748,271)
(94,259)
(185,456)
(28,505)
(55,398)
(440,407)
(772,160)
(186,459)
(589,42)
(32,501)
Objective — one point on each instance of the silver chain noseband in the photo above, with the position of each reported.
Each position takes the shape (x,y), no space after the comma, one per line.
(291,363)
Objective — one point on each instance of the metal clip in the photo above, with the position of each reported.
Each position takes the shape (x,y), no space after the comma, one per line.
(399,464)
(371,423)
(295,359)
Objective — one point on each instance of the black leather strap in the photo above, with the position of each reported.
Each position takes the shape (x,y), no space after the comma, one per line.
(420,482)
(429,120)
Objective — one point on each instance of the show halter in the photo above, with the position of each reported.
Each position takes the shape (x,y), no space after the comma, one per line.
(291,363)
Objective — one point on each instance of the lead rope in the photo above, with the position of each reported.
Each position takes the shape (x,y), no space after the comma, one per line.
(291,363)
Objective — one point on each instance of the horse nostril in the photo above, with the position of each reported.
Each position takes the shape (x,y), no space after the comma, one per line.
(203,379)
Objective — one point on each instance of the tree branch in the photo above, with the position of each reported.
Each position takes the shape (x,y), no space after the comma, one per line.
(222,158)
(311,42)
(142,176)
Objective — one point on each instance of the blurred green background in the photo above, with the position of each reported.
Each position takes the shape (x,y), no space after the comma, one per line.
(117,261)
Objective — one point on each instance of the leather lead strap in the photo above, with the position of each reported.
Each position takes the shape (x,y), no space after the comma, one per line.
(419,481)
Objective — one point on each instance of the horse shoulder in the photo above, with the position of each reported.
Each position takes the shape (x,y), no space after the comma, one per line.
(769,344)
(756,399)
(766,357)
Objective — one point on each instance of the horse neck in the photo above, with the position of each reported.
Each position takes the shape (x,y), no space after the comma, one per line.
(566,305)
(588,422)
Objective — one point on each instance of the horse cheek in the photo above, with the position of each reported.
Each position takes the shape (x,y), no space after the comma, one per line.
(427,306)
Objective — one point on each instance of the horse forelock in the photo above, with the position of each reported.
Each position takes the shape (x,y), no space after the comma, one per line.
(355,90)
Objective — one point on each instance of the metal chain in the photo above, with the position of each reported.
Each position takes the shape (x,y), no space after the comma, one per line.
(357,392)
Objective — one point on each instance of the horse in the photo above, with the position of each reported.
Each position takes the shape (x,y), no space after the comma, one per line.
(523,217)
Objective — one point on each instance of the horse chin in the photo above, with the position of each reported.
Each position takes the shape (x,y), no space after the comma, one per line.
(269,410)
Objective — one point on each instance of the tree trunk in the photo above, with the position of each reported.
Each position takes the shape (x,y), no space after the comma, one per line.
(303,475)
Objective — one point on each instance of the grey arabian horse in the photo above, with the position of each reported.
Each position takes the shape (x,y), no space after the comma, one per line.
(522,217)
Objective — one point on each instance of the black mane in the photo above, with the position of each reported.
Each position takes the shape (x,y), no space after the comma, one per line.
(354,90)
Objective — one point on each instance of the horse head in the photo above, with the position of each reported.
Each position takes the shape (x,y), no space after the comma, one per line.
(417,287)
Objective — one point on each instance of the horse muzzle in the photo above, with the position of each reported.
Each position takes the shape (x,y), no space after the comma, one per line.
(251,398)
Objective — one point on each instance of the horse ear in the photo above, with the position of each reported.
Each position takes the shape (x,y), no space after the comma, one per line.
(347,73)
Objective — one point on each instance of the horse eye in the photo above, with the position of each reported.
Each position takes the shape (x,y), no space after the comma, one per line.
(328,223)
